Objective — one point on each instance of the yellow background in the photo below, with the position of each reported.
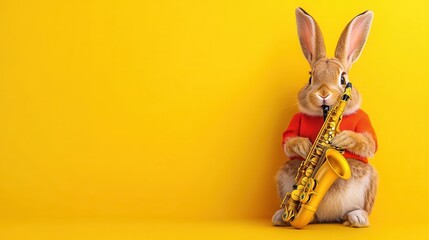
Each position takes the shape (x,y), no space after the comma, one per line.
(173,110)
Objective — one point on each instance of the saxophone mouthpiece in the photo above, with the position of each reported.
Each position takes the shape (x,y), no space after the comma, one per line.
(349,85)
(325,109)
(347,92)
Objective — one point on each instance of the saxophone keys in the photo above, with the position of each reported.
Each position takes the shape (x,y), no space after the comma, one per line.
(285,216)
(288,215)
(295,195)
(304,181)
(311,184)
(314,161)
(326,136)
(308,172)
(304,197)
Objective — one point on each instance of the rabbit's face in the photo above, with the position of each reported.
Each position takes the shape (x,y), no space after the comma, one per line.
(325,87)
(329,75)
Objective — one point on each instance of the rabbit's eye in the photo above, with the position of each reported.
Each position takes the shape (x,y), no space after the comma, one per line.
(343,79)
(309,80)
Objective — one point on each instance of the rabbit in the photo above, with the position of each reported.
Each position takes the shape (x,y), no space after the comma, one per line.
(347,201)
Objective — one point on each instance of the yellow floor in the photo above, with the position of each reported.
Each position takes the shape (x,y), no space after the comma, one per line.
(123,229)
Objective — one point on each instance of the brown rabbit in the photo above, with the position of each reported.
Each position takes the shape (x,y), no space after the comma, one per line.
(348,201)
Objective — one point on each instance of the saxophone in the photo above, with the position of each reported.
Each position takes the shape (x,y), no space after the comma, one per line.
(323,165)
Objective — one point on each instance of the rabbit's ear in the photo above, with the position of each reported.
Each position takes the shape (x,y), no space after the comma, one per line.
(353,39)
(310,36)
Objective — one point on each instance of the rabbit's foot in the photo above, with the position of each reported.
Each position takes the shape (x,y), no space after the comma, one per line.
(356,218)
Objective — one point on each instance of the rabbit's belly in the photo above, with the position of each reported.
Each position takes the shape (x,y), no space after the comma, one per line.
(339,201)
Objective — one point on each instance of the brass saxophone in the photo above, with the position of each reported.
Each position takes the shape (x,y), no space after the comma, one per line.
(323,165)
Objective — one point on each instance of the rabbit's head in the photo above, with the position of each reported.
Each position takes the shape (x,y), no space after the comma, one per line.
(329,76)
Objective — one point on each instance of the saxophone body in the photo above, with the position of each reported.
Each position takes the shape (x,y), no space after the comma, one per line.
(323,165)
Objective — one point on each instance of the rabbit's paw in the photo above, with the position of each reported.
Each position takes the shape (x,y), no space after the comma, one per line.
(297,146)
(346,140)
(361,144)
(356,218)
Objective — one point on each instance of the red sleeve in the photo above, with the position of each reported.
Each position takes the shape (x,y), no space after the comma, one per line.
(293,128)
(364,126)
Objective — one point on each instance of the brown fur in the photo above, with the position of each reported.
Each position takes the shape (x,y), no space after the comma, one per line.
(349,200)
(297,146)
(372,192)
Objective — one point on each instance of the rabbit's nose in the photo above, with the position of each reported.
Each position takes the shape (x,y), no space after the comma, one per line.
(324,95)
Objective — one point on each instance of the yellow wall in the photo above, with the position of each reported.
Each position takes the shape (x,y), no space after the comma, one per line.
(176,108)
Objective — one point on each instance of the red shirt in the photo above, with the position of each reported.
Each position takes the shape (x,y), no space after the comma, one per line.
(309,126)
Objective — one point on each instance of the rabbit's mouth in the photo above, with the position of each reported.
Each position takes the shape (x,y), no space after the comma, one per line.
(325,103)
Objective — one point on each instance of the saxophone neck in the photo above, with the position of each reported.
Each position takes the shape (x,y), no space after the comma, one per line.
(345,98)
